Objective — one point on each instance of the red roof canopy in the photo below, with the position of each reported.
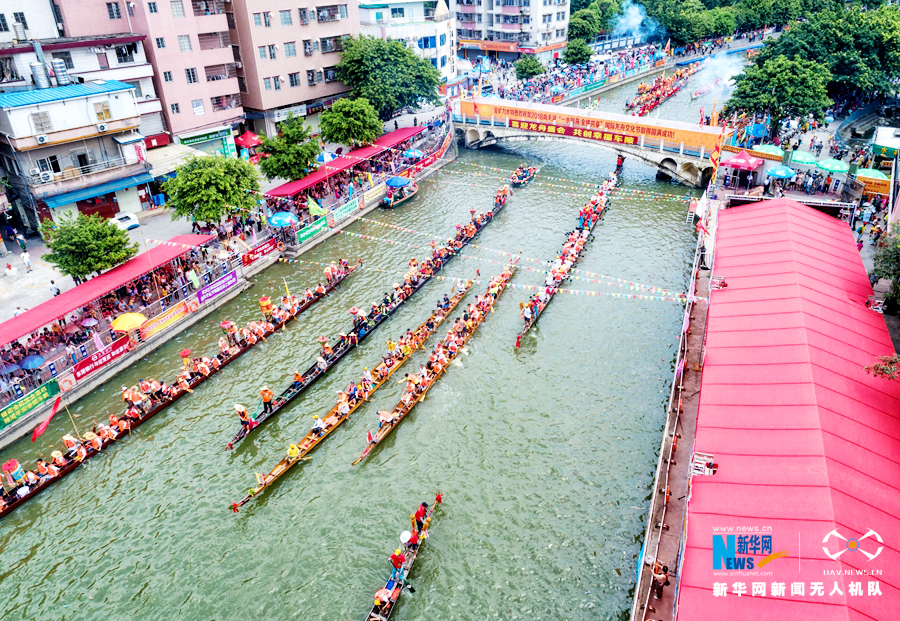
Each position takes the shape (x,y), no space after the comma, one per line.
(85,293)
(342,163)
(248,139)
(805,440)
(743,161)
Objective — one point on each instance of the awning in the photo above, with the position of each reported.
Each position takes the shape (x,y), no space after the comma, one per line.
(743,161)
(85,293)
(97,190)
(128,138)
(165,160)
(248,139)
(342,163)
(805,440)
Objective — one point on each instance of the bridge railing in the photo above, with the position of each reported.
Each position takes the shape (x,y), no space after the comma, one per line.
(648,144)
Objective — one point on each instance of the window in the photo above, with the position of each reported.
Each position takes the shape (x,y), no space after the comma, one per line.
(175,108)
(49,164)
(125,54)
(310,77)
(267,19)
(262,51)
(151,7)
(267,83)
(184,43)
(177,8)
(342,11)
(242,85)
(41,121)
(130,9)
(397,12)
(285,17)
(290,49)
(160,42)
(197,106)
(191,75)
(277,81)
(138,92)
(20,19)
(167,76)
(66,57)
(257,19)
(304,18)
(113,9)
(318,76)
(547,19)
(560,16)
(560,33)
(443,39)
(315,46)
(272,52)
(102,60)
(4,27)
(101,109)
(443,60)
(294,79)
(434,62)
(330,74)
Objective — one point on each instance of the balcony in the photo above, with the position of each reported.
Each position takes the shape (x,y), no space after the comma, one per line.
(331,45)
(225,102)
(467,25)
(467,8)
(512,10)
(214,40)
(215,73)
(308,50)
(208,7)
(512,27)
(328,13)
(331,74)
(71,178)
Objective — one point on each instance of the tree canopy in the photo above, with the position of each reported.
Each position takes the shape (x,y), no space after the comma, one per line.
(83,245)
(351,122)
(209,188)
(528,67)
(387,73)
(577,52)
(781,87)
(292,153)
(887,265)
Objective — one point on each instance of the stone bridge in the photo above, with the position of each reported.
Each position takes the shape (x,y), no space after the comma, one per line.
(678,151)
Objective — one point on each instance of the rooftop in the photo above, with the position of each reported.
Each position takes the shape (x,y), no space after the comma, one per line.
(20,99)
(887,137)
(10,48)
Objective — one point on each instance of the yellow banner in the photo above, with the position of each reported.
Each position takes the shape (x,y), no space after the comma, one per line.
(876,186)
(374,194)
(166,319)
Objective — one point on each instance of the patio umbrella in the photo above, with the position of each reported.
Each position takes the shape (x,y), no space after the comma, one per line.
(90,321)
(414,153)
(769,148)
(803,157)
(128,321)
(325,156)
(397,182)
(32,362)
(283,218)
(829,119)
(248,139)
(72,329)
(871,173)
(833,165)
(9,368)
(743,161)
(781,172)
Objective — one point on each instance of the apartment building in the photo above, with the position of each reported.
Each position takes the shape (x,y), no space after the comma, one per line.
(507,29)
(73,148)
(190,47)
(37,19)
(427,28)
(288,56)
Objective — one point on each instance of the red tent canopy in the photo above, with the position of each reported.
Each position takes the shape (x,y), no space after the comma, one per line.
(248,139)
(806,442)
(743,161)
(348,161)
(85,293)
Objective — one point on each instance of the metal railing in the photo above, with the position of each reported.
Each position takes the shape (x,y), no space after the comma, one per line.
(208,7)
(226,102)
(72,172)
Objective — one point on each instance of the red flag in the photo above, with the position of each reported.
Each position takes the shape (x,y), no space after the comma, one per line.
(369,437)
(700,227)
(43,426)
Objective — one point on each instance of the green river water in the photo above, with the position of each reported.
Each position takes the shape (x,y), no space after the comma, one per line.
(545,455)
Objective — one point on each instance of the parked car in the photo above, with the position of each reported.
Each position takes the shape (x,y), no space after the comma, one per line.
(126,221)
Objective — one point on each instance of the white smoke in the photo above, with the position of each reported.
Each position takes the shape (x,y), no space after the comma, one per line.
(633,21)
(722,67)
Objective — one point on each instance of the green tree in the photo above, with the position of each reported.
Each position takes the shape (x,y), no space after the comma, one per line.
(591,17)
(351,122)
(580,29)
(387,73)
(577,52)
(292,153)
(83,245)
(887,265)
(606,11)
(781,87)
(528,67)
(887,367)
(209,188)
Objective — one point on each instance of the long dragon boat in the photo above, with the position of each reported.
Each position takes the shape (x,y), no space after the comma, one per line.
(334,417)
(373,320)
(8,502)
(569,256)
(386,598)
(416,393)
(522,176)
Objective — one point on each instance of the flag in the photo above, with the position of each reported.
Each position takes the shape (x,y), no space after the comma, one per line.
(314,208)
(700,227)
(668,49)
(369,438)
(716,153)
(714,120)
(97,342)
(702,116)
(43,426)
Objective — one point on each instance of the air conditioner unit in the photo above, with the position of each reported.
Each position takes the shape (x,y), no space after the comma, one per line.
(239,65)
(34,172)
(102,127)
(42,139)
(46,176)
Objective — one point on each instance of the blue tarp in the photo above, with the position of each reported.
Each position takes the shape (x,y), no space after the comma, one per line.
(97,190)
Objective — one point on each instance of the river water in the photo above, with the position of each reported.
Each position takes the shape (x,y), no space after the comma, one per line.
(545,455)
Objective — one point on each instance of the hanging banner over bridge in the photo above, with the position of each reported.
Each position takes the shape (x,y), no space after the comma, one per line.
(565,121)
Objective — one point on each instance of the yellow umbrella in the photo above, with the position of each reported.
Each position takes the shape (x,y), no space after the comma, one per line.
(128,321)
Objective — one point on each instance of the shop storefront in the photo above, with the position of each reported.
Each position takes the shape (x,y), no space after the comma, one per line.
(217,141)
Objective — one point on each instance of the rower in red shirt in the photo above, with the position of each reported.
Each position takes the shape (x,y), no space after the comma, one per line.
(397,560)
(420,515)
